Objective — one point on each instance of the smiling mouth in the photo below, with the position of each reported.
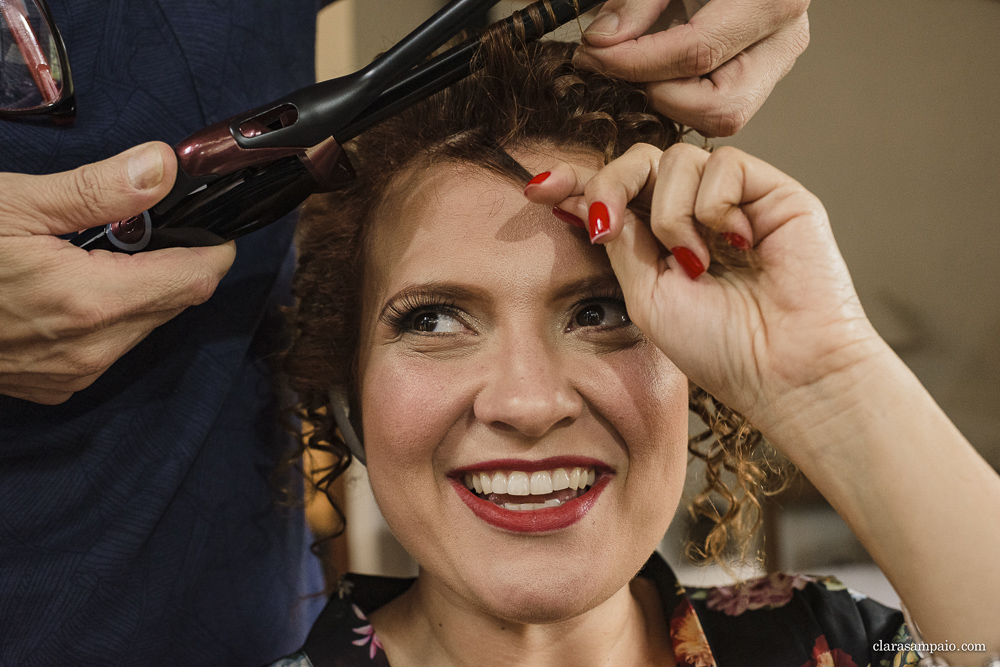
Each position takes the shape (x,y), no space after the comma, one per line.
(521,491)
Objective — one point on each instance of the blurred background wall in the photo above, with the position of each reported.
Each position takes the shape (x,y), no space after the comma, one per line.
(891,118)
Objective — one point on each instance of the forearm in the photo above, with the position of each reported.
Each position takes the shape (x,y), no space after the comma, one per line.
(918,496)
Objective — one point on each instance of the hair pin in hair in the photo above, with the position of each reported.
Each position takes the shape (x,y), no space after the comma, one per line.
(342,416)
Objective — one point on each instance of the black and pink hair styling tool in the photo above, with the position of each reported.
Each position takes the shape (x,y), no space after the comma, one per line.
(242,174)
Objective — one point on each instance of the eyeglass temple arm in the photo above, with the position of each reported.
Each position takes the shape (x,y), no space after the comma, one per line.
(16,16)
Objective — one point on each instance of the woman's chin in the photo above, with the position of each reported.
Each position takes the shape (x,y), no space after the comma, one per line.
(532,608)
(543,598)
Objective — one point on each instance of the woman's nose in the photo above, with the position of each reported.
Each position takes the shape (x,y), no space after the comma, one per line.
(528,389)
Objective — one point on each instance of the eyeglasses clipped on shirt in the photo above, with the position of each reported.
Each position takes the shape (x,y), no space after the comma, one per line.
(34,70)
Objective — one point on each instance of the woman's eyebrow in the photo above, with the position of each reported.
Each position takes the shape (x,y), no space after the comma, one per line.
(603,282)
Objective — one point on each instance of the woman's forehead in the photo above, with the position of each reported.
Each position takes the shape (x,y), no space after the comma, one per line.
(458,221)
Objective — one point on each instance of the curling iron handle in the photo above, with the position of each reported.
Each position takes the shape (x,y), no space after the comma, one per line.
(140,233)
(229,207)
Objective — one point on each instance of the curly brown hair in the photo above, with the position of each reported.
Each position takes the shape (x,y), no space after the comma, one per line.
(523,95)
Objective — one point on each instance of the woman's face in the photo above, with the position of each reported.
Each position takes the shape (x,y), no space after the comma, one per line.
(496,347)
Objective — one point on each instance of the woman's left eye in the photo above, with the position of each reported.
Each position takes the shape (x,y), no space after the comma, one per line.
(604,314)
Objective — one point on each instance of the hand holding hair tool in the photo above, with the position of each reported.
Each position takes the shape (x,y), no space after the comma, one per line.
(244,173)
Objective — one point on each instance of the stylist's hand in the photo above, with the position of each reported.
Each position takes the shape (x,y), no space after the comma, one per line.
(763,341)
(67,314)
(712,73)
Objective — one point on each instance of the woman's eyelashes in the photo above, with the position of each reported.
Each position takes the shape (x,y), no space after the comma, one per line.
(429,315)
(419,314)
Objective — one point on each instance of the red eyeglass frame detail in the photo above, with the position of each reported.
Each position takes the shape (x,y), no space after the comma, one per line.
(59,104)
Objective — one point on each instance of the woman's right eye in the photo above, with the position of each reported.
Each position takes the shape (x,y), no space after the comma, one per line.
(430,321)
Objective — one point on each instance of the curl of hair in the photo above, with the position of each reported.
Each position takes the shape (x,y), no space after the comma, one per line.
(523,95)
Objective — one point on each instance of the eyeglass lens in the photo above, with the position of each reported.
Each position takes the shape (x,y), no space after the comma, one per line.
(30,73)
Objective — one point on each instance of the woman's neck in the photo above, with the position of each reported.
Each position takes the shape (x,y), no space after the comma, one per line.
(429,625)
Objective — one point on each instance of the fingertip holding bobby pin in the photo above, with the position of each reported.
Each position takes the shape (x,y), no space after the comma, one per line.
(243,173)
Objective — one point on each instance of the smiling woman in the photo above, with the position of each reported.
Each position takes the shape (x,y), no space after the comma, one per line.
(522,391)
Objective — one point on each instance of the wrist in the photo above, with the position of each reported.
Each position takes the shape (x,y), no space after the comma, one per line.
(817,419)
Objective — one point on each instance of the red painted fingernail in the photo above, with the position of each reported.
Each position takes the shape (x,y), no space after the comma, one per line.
(539,178)
(600,221)
(737,241)
(689,261)
(568,218)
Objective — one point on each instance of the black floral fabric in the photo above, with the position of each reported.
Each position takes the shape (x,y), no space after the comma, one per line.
(778,620)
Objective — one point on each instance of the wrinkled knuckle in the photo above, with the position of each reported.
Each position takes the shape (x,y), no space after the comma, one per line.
(90,363)
(97,316)
(726,154)
(809,202)
(88,191)
(636,64)
(730,119)
(679,151)
(83,318)
(201,286)
(727,125)
(659,225)
(641,148)
(644,153)
(800,38)
(706,55)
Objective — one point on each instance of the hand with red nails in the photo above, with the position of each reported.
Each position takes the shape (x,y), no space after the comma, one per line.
(712,72)
(785,342)
(67,314)
(749,337)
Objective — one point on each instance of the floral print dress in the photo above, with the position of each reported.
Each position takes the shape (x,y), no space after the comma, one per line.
(778,620)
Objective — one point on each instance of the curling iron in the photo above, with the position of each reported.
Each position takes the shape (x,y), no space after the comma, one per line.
(244,173)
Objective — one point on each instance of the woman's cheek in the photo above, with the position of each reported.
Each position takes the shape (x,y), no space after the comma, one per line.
(642,392)
(652,419)
(407,406)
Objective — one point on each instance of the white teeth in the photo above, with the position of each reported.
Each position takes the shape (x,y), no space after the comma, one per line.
(538,483)
(527,507)
(487,482)
(499,482)
(518,484)
(541,483)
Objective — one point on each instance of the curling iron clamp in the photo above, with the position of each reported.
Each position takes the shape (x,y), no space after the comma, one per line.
(244,173)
